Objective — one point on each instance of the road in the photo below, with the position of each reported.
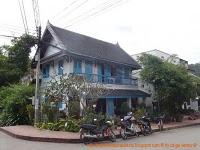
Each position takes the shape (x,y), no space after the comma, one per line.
(189,135)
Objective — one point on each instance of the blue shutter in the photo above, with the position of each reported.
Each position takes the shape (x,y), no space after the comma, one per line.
(60,67)
(47,70)
(99,73)
(107,73)
(119,75)
(77,66)
(88,70)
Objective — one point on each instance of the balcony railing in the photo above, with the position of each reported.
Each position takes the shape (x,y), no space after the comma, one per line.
(109,79)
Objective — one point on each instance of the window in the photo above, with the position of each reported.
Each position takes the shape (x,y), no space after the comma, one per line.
(88,70)
(60,67)
(45,71)
(77,66)
(126,72)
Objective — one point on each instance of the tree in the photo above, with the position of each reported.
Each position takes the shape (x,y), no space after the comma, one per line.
(14,59)
(195,68)
(19,51)
(173,85)
(13,102)
(72,87)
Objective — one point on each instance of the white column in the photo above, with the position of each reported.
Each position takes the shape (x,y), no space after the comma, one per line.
(83,66)
(129,103)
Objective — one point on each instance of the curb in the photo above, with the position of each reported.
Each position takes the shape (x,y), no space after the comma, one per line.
(40,139)
(61,140)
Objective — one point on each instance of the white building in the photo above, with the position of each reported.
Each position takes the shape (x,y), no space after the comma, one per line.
(193,104)
(67,52)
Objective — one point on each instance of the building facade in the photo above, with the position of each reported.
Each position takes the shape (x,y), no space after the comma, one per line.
(65,52)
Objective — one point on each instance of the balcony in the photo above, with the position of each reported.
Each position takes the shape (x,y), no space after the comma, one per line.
(109,79)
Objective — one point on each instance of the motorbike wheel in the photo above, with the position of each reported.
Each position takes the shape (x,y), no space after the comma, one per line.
(123,133)
(111,135)
(149,130)
(84,139)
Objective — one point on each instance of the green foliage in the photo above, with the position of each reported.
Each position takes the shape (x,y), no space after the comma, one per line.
(56,126)
(30,111)
(49,112)
(90,115)
(14,99)
(19,52)
(139,113)
(74,108)
(172,83)
(124,108)
(72,125)
(14,59)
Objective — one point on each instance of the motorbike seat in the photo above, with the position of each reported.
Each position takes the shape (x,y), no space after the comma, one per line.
(127,117)
(89,126)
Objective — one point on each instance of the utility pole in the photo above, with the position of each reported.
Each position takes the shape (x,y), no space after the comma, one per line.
(37,87)
(38,30)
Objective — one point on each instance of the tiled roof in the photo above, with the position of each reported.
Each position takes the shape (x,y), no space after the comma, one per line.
(87,46)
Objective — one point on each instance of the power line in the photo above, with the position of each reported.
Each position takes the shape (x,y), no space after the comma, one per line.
(36,16)
(25,15)
(65,8)
(22,17)
(89,14)
(95,8)
(74,9)
(8,36)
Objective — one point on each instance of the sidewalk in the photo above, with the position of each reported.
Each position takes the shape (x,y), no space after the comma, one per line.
(33,134)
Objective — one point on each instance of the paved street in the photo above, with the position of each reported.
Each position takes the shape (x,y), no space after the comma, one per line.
(189,135)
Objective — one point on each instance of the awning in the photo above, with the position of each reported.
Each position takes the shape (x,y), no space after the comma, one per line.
(119,93)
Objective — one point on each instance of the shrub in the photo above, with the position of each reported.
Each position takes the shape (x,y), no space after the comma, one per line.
(124,108)
(74,108)
(139,113)
(90,115)
(30,110)
(72,125)
(14,100)
(49,112)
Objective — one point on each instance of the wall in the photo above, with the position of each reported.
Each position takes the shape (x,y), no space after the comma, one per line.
(51,50)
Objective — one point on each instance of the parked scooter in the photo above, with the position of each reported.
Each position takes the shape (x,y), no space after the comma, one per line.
(145,125)
(89,132)
(129,126)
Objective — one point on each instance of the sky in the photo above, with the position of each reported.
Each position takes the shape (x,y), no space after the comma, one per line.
(172,26)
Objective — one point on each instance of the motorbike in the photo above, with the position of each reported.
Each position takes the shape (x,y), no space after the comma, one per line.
(90,132)
(129,126)
(145,125)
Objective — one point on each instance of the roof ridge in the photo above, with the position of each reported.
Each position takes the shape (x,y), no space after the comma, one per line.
(84,35)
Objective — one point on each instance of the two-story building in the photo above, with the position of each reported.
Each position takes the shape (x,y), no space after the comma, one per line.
(174,59)
(65,52)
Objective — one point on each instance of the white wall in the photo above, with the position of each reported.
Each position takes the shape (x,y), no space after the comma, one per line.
(51,50)
(164,56)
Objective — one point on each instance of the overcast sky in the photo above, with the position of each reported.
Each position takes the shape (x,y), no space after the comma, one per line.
(172,26)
